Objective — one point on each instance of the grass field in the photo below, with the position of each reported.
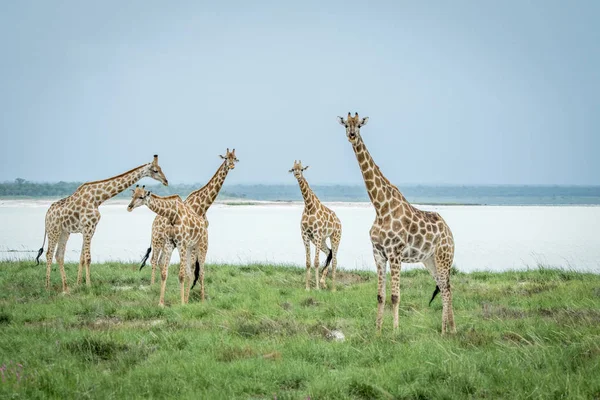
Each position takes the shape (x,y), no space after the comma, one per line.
(532,334)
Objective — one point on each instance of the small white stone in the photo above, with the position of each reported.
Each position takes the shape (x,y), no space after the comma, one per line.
(336,335)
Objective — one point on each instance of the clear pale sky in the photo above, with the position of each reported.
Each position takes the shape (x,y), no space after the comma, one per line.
(458,92)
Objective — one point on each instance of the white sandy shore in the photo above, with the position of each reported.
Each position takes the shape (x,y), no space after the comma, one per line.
(487,237)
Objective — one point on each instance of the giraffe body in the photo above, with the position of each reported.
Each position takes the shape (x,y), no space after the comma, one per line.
(317,224)
(79,213)
(185,231)
(199,200)
(402,233)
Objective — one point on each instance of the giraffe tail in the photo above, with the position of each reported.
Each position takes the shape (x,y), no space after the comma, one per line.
(196,274)
(40,251)
(146,257)
(329,257)
(435,292)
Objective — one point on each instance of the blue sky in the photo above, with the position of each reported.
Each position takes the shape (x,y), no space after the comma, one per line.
(461,92)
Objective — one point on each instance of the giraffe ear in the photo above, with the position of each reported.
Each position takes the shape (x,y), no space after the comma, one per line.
(363,121)
(291,170)
(341,121)
(222,156)
(305,168)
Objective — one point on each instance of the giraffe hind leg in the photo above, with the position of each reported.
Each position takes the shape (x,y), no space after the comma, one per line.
(52,242)
(443,262)
(60,258)
(325,269)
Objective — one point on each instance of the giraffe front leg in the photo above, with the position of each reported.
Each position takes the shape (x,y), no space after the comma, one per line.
(381,262)
(395,265)
(306,240)
(81,264)
(164,271)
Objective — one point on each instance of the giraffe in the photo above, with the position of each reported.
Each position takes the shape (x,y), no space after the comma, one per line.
(186,231)
(317,224)
(79,213)
(199,200)
(402,233)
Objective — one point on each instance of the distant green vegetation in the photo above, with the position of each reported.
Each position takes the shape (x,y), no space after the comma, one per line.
(260,335)
(420,194)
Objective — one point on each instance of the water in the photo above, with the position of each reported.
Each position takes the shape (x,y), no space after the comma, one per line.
(487,237)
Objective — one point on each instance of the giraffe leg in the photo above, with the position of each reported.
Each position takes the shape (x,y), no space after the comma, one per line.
(395,266)
(325,271)
(306,240)
(52,241)
(443,260)
(381,262)
(60,258)
(184,264)
(316,264)
(190,278)
(81,264)
(158,246)
(164,270)
(334,249)
(87,254)
(201,260)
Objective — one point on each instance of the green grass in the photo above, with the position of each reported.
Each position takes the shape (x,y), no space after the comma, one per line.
(260,335)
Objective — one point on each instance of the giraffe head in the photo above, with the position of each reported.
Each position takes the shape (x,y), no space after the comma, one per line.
(154,171)
(139,197)
(297,169)
(353,125)
(230,158)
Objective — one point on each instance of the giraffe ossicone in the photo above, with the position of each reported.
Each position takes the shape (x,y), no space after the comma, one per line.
(402,233)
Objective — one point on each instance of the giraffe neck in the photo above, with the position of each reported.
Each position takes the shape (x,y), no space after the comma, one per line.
(378,186)
(310,199)
(163,206)
(108,188)
(201,199)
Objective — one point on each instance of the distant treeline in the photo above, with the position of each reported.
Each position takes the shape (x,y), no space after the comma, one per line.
(420,194)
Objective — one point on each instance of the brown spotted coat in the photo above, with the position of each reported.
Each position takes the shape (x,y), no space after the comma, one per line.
(317,224)
(402,233)
(186,230)
(79,213)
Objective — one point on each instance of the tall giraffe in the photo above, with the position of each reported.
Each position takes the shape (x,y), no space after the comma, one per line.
(402,233)
(186,231)
(79,213)
(318,223)
(199,200)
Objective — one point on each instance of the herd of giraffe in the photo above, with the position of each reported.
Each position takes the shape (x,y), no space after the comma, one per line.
(400,233)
